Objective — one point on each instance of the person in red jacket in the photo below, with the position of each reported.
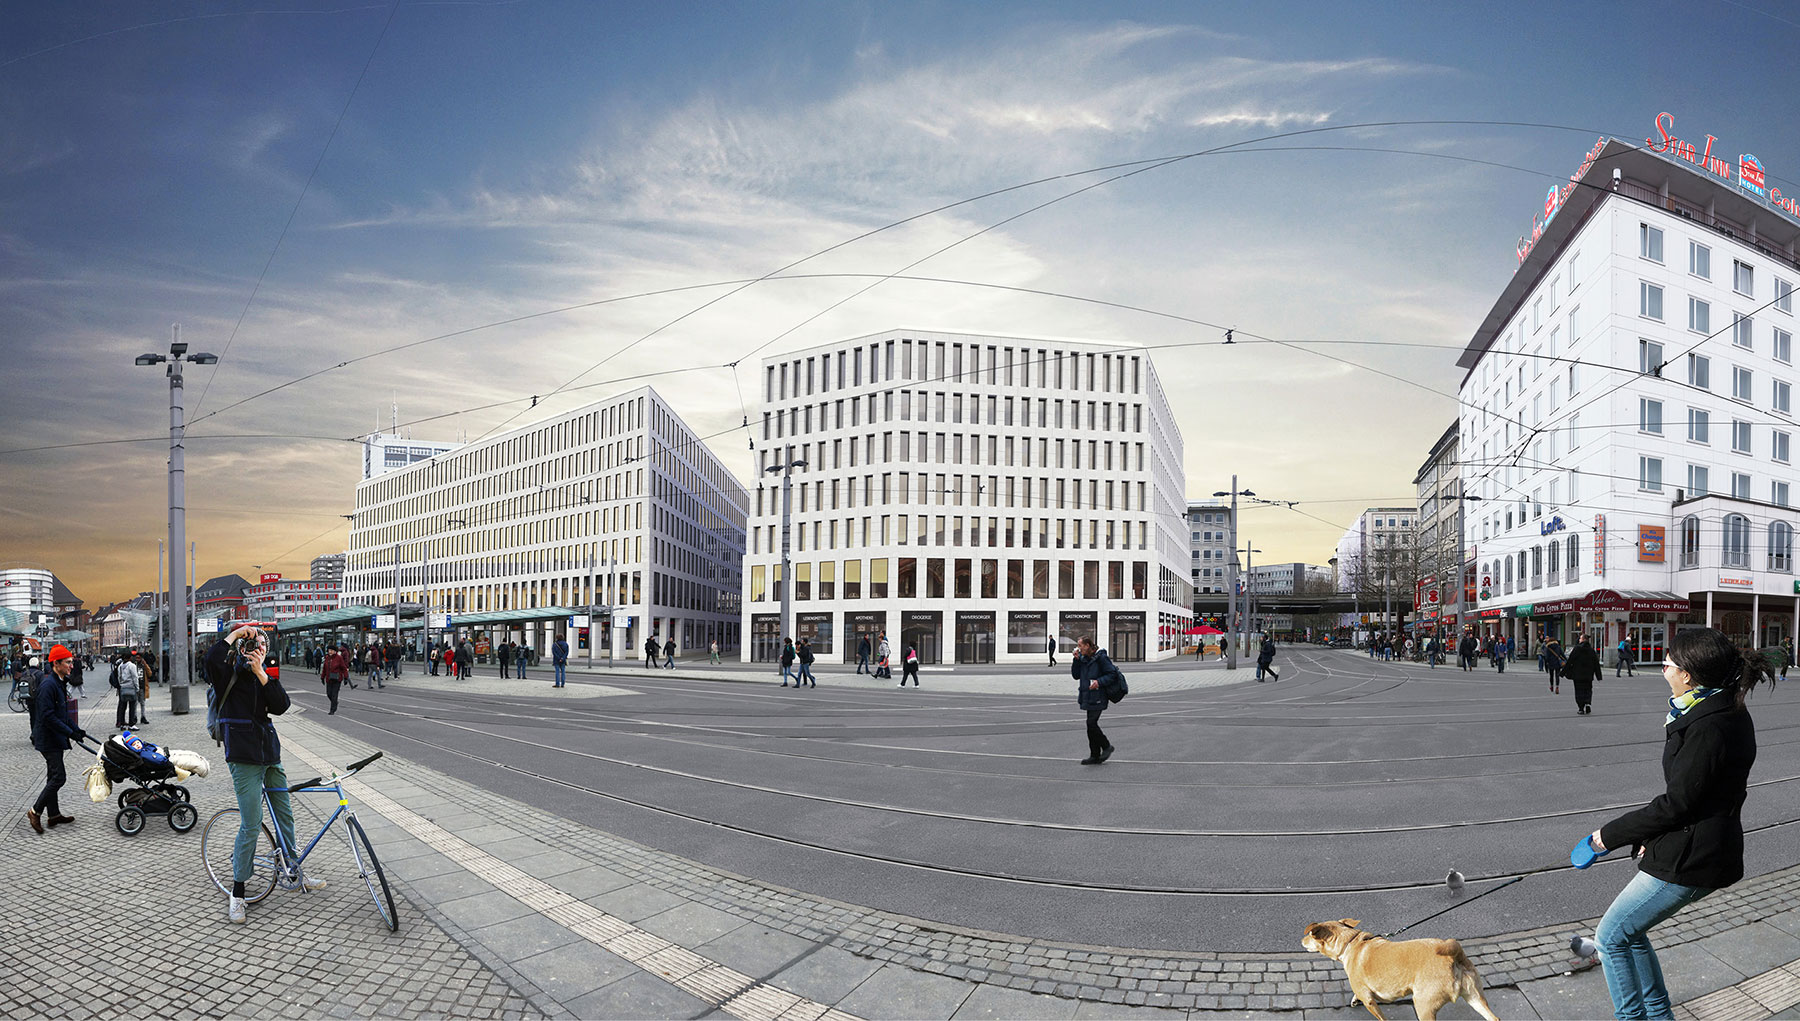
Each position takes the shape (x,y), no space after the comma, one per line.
(334,672)
(1689,842)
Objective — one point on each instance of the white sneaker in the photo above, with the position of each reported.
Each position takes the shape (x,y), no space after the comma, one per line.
(311,885)
(234,911)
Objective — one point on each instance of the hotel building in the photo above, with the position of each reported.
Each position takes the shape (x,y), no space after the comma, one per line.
(615,504)
(970,496)
(1628,410)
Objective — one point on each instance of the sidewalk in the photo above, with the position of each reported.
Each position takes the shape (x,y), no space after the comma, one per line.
(509,911)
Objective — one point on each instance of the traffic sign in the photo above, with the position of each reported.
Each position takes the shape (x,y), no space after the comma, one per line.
(384,622)
(578,620)
(440,621)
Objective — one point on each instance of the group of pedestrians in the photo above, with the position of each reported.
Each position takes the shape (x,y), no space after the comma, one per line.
(652,648)
(883,652)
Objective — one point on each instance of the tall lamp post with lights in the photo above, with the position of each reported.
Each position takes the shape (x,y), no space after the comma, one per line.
(1231,649)
(786,471)
(181,646)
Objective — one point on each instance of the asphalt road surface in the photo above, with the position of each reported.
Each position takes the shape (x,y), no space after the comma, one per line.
(1228,819)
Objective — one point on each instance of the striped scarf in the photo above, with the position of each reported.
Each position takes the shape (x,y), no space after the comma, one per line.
(1680,704)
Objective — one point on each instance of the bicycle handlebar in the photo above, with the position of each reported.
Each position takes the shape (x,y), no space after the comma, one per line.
(354,766)
(319,780)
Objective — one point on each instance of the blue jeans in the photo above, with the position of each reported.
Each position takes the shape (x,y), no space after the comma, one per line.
(561,671)
(249,780)
(786,672)
(1633,976)
(806,674)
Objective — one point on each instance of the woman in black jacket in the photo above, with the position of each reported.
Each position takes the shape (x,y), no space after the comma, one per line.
(1581,668)
(1690,840)
(1092,668)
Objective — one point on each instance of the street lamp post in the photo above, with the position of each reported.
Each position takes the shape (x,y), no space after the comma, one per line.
(787,566)
(1231,576)
(179,665)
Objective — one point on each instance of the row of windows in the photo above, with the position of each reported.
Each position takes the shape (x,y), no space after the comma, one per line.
(1734,546)
(1699,320)
(1699,428)
(1552,563)
(1699,482)
(993,364)
(1011,491)
(954,409)
(956,578)
(954,530)
(951,448)
(1743,274)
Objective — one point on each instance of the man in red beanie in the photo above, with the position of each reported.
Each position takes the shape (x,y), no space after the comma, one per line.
(51,730)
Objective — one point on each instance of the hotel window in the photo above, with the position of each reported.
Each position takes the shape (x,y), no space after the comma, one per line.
(1650,300)
(1740,486)
(1573,560)
(1696,480)
(1650,416)
(1737,540)
(1784,296)
(1700,371)
(1699,260)
(1741,384)
(1690,541)
(1740,331)
(1650,474)
(1781,546)
(1778,494)
(1574,384)
(1699,316)
(1783,397)
(1699,426)
(1743,279)
(1649,242)
(1780,452)
(1650,357)
(1784,346)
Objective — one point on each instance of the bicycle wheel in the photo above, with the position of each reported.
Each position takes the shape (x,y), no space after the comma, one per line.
(369,868)
(216,843)
(14,702)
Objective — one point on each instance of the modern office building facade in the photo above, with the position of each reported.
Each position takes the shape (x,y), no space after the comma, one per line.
(1209,544)
(1628,407)
(970,496)
(28,589)
(617,504)
(275,598)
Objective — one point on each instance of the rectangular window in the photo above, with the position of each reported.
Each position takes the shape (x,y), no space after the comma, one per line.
(1696,480)
(878,578)
(1649,415)
(1740,486)
(1700,371)
(1743,279)
(1065,574)
(1650,300)
(1740,436)
(1784,296)
(1699,426)
(1780,452)
(1699,260)
(1783,397)
(1650,357)
(1699,316)
(1742,382)
(1649,242)
(1778,494)
(1740,331)
(1784,347)
(1650,474)
(1090,573)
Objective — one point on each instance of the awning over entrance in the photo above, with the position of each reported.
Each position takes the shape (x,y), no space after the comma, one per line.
(522,615)
(12,622)
(343,616)
(1621,601)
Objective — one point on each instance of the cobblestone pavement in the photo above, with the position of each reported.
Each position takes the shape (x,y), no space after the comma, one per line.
(514,912)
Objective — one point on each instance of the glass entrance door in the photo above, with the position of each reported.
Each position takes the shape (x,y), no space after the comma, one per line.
(1648,642)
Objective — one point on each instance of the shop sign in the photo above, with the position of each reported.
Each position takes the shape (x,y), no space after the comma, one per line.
(1492,613)
(1523,611)
(1555,524)
(1736,582)
(1599,545)
(1652,544)
(1553,201)
(1751,178)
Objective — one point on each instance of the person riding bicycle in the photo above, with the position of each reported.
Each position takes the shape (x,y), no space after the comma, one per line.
(248,697)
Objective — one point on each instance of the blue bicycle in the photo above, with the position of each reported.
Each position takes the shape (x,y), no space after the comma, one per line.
(276,864)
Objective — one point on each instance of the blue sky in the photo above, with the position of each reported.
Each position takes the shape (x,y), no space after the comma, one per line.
(503,159)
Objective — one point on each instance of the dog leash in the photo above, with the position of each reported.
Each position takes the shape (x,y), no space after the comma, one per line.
(1471,900)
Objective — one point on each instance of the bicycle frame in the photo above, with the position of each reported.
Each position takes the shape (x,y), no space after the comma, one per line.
(318,784)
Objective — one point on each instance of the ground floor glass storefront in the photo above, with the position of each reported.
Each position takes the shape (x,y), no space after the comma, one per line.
(961,636)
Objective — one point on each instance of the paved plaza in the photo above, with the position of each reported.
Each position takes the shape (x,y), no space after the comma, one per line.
(701,842)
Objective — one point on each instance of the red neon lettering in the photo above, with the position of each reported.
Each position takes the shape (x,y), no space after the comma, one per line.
(1709,142)
(1662,130)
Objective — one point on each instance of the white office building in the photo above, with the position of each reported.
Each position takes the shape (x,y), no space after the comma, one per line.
(1209,544)
(28,589)
(970,496)
(1374,564)
(1628,409)
(278,599)
(617,504)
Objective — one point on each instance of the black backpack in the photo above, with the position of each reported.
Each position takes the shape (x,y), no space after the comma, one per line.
(1114,687)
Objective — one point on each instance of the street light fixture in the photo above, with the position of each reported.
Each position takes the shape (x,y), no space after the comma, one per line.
(180,665)
(1231,575)
(787,567)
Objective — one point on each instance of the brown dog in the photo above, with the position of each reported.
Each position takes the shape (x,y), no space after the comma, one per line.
(1432,971)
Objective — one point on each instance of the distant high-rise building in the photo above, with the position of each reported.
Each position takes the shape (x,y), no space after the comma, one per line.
(329,568)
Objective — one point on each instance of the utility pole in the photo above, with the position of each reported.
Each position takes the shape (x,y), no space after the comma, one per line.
(179,671)
(396,595)
(161,608)
(787,563)
(1231,580)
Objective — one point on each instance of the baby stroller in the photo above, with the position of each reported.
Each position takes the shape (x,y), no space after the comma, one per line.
(126,756)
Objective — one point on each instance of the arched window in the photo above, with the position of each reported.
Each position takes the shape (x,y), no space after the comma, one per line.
(1737,540)
(1537,566)
(1509,575)
(1690,541)
(1572,568)
(1555,567)
(1781,547)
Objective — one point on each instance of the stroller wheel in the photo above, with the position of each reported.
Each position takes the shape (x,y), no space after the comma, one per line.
(133,798)
(130,821)
(181,792)
(182,817)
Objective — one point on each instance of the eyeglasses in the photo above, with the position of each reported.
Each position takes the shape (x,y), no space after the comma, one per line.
(1669,664)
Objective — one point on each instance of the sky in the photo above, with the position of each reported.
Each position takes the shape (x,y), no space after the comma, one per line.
(453,208)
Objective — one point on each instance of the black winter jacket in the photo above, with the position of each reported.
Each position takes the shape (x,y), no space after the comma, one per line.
(1097,667)
(51,727)
(244,716)
(1582,665)
(1694,832)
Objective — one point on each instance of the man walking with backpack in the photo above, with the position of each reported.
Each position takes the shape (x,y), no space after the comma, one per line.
(559,659)
(805,676)
(1093,669)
